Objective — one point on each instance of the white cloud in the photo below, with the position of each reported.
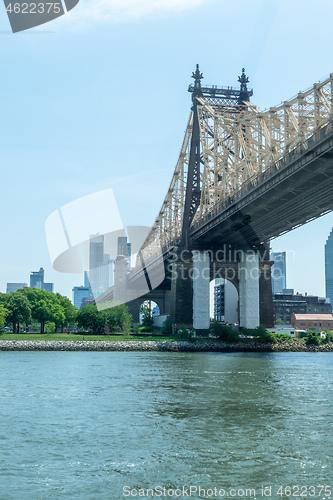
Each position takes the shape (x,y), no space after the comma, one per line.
(118,10)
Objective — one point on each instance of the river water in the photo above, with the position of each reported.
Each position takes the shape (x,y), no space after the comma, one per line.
(110,425)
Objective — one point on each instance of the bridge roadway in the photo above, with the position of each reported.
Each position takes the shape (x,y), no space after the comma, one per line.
(295,190)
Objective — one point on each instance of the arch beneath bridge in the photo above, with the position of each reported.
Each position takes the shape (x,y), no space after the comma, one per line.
(182,297)
(157,296)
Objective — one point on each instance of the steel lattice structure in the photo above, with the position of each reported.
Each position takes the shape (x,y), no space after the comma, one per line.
(237,142)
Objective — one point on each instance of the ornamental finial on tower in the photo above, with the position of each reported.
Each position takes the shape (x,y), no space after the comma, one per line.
(243,80)
(198,76)
(244,94)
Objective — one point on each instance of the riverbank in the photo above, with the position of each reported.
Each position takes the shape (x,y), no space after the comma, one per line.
(180,346)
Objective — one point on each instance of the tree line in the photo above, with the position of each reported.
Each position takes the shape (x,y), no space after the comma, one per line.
(55,312)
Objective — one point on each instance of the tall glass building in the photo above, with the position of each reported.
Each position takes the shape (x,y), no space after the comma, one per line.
(79,294)
(37,281)
(100,275)
(278,272)
(329,267)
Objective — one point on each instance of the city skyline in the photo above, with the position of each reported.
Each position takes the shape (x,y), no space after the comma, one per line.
(291,257)
(36,280)
(78,146)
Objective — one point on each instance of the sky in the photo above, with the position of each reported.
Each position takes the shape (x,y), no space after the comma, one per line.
(98,99)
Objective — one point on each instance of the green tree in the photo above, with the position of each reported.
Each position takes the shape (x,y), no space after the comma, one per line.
(41,303)
(284,337)
(312,338)
(49,327)
(183,333)
(19,310)
(264,335)
(118,318)
(90,318)
(58,317)
(167,327)
(328,336)
(68,309)
(147,319)
(39,306)
(42,312)
(3,315)
(224,332)
(279,321)
(260,334)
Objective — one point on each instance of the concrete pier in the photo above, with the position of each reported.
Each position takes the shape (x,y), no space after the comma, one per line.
(201,281)
(249,290)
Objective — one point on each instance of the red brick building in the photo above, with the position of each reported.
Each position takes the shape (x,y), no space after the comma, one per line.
(312,321)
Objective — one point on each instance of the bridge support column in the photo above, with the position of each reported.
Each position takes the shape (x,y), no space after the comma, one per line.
(201,291)
(180,297)
(265,290)
(249,290)
(134,309)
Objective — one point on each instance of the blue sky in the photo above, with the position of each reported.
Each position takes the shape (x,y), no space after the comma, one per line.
(98,99)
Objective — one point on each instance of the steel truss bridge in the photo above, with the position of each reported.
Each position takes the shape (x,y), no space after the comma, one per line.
(243,177)
(237,150)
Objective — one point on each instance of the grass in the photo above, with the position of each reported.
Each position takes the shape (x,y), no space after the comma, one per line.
(154,336)
(76,338)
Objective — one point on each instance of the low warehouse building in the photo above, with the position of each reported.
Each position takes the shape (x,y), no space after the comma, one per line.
(312,321)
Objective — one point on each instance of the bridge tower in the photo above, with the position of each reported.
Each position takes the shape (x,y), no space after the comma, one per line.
(253,267)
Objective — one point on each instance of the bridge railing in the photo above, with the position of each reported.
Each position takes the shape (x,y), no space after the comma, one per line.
(251,183)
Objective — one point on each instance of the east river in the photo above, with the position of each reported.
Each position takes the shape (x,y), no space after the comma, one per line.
(111,425)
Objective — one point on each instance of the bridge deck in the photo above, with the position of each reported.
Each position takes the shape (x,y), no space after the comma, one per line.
(291,192)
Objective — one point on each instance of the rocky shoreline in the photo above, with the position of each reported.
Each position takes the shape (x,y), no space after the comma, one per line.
(181,346)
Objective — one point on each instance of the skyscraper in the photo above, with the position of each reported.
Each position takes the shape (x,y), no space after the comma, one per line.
(12,287)
(125,249)
(100,274)
(225,301)
(278,272)
(37,281)
(219,304)
(329,267)
(79,294)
